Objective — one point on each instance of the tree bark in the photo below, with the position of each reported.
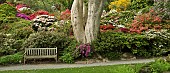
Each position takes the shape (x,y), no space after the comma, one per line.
(86,21)
(77,20)
(95,8)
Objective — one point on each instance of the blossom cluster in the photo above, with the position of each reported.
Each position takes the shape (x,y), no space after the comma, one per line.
(119,5)
(43,21)
(138,24)
(85,49)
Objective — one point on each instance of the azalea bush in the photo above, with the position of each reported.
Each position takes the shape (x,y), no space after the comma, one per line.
(22,33)
(137,44)
(66,15)
(119,5)
(11,59)
(85,49)
(110,42)
(162,7)
(7,10)
(13,27)
(46,39)
(70,53)
(118,18)
(139,23)
(43,22)
(7,14)
(139,4)
(159,41)
(9,45)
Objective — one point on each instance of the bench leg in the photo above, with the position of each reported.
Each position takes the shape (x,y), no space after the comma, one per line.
(24,60)
(56,60)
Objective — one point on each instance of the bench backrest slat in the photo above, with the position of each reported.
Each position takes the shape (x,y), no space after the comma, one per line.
(40,51)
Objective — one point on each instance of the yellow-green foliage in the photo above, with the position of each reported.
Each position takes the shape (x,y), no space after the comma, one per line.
(7,10)
(119,5)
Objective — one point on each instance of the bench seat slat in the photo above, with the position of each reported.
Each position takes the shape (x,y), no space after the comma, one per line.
(34,57)
(39,48)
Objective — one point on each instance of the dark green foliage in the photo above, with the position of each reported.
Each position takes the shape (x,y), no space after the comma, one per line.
(67,58)
(139,4)
(159,42)
(11,59)
(23,33)
(17,24)
(111,55)
(8,20)
(7,10)
(7,14)
(139,45)
(70,53)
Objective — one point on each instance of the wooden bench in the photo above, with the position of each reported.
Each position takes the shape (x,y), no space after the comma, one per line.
(37,53)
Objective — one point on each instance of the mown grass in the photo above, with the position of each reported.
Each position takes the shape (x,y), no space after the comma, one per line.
(98,69)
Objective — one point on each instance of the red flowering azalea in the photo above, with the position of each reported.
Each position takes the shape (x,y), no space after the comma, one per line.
(40,12)
(124,30)
(65,15)
(20,6)
(106,27)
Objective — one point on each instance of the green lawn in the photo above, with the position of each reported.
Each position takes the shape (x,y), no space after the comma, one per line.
(97,69)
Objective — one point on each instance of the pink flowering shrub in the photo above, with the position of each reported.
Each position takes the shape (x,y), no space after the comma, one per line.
(65,15)
(85,49)
(138,24)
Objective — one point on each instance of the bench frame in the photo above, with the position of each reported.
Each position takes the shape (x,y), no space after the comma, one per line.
(37,53)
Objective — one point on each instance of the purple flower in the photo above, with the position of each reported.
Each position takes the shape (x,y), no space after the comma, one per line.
(88,49)
(24,16)
(85,49)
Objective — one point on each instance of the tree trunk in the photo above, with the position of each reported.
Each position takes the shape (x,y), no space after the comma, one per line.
(95,8)
(86,21)
(77,20)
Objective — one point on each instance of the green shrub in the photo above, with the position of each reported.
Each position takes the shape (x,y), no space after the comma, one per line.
(6,46)
(46,40)
(139,4)
(9,45)
(11,59)
(120,42)
(16,25)
(7,11)
(162,8)
(70,53)
(138,44)
(111,55)
(67,58)
(64,27)
(23,33)
(159,42)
